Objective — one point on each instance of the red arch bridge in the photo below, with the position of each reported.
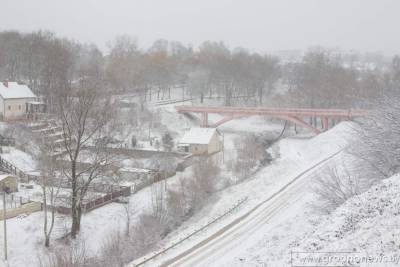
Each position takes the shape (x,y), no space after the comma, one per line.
(297,116)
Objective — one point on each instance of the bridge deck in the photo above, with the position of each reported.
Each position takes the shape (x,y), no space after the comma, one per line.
(273,111)
(294,115)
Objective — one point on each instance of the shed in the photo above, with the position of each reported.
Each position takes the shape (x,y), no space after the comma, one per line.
(14,99)
(201,141)
(9,181)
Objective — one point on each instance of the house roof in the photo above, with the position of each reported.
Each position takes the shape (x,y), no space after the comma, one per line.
(15,90)
(201,136)
(135,170)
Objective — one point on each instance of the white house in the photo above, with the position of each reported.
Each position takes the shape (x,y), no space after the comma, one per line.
(201,141)
(14,99)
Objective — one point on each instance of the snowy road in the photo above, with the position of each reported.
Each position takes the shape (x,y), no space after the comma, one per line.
(215,249)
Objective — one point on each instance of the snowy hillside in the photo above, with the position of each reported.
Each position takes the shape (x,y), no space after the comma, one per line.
(368,224)
(296,157)
(364,231)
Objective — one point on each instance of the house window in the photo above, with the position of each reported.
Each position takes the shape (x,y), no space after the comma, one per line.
(19,107)
(9,107)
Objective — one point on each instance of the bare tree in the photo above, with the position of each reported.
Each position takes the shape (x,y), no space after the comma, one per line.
(50,182)
(198,83)
(378,137)
(251,152)
(74,255)
(114,251)
(334,186)
(128,210)
(158,202)
(205,173)
(197,189)
(167,141)
(147,233)
(177,203)
(85,115)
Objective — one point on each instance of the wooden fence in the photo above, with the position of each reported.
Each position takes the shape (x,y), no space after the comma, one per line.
(27,208)
(119,191)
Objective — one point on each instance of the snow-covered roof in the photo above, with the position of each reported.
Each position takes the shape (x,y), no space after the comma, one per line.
(15,90)
(35,103)
(201,136)
(135,170)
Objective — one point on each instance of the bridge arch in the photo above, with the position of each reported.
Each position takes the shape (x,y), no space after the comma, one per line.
(293,115)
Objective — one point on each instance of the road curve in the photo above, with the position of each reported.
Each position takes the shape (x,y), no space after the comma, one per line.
(212,248)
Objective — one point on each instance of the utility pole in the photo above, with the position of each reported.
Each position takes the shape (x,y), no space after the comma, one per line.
(223,148)
(150,123)
(5,223)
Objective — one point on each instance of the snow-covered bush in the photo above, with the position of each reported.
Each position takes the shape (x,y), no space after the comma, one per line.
(177,206)
(167,141)
(147,233)
(379,134)
(133,141)
(73,255)
(367,224)
(114,251)
(118,249)
(334,186)
(205,173)
(377,154)
(251,153)
(193,192)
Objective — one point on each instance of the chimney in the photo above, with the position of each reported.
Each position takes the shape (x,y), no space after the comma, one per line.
(5,83)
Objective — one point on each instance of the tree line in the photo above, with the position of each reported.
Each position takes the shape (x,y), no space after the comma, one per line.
(321,78)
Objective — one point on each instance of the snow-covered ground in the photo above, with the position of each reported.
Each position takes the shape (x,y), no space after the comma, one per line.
(271,244)
(19,159)
(25,234)
(297,155)
(364,231)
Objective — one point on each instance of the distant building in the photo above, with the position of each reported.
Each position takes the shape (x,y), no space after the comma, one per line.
(15,100)
(9,182)
(201,141)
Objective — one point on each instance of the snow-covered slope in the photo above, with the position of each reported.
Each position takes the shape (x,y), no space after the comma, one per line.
(297,155)
(365,231)
(368,224)
(19,159)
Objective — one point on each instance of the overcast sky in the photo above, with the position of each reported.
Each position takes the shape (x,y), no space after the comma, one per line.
(260,25)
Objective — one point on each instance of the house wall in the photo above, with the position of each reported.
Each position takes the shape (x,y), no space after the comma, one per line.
(1,107)
(215,144)
(10,182)
(197,149)
(14,108)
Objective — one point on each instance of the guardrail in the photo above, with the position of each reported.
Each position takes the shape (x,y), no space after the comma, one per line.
(174,244)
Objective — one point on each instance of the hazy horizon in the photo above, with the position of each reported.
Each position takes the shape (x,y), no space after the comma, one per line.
(261,26)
